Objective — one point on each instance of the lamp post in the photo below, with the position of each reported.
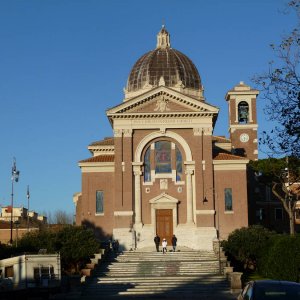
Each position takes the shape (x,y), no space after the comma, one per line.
(14,178)
(28,197)
(17,224)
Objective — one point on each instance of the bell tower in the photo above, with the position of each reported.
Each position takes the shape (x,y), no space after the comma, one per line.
(243,120)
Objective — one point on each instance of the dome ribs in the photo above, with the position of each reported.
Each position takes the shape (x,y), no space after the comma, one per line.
(176,69)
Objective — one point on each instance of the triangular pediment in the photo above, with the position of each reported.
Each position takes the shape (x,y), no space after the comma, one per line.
(162,100)
(164,199)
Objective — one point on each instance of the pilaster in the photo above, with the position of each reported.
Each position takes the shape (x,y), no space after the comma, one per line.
(137,194)
(189,194)
(127,170)
(118,142)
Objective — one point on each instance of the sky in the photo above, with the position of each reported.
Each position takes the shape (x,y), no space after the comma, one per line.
(63,63)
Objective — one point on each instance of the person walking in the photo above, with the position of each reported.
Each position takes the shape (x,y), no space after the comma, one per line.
(116,246)
(164,246)
(174,242)
(157,242)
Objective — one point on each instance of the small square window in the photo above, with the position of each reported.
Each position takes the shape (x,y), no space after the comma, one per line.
(9,271)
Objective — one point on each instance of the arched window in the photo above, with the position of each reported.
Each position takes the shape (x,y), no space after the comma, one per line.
(163,157)
(147,166)
(243,112)
(178,164)
(164,161)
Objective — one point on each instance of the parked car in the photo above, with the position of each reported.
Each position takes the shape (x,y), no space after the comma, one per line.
(270,289)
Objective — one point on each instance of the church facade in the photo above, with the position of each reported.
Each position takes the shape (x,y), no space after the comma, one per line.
(164,171)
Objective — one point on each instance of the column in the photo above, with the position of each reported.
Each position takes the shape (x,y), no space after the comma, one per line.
(189,196)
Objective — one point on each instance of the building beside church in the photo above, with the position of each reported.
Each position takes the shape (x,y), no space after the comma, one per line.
(164,171)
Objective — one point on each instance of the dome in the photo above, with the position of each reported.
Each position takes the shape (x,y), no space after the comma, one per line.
(164,66)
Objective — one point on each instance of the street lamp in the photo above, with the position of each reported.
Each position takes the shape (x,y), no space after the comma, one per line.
(17,224)
(28,197)
(14,178)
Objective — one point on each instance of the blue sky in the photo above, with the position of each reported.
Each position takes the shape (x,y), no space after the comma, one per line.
(64,62)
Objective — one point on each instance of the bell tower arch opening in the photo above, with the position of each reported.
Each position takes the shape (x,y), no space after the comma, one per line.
(243,120)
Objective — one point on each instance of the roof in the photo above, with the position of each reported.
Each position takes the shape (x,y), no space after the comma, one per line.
(99,158)
(241,89)
(163,64)
(175,68)
(108,141)
(220,139)
(228,156)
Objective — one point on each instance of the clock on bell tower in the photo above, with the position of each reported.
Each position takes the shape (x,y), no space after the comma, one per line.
(243,120)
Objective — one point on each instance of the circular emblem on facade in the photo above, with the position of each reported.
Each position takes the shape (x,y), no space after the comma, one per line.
(244,137)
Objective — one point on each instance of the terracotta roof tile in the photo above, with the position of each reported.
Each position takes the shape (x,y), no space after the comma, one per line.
(227,156)
(220,139)
(99,158)
(109,141)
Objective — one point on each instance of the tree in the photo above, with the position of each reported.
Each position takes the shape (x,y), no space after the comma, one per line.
(59,217)
(76,244)
(62,218)
(281,258)
(283,176)
(280,87)
(246,245)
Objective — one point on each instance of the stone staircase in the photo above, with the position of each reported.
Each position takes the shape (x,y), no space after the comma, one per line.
(154,275)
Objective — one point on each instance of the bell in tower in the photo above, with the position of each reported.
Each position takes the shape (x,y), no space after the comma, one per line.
(242,120)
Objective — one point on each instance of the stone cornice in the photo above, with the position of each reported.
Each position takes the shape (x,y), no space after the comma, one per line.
(89,167)
(242,126)
(162,115)
(101,150)
(226,165)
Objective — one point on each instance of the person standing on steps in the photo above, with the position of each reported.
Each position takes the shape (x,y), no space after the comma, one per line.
(174,242)
(164,246)
(157,241)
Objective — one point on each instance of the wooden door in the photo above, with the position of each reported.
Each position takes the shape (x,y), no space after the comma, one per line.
(164,224)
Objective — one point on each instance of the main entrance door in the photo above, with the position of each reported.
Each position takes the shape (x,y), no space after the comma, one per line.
(164,224)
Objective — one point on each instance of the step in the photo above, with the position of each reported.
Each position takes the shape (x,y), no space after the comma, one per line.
(137,274)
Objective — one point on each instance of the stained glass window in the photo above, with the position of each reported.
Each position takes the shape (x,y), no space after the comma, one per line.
(163,157)
(99,202)
(178,164)
(147,167)
(228,199)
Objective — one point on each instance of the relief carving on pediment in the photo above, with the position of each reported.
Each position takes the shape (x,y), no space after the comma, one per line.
(162,105)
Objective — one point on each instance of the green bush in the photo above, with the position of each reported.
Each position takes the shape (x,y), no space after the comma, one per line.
(246,245)
(36,240)
(281,259)
(75,243)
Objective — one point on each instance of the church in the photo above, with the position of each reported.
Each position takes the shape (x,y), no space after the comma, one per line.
(164,171)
